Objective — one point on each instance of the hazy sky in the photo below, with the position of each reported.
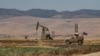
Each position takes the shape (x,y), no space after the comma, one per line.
(59,5)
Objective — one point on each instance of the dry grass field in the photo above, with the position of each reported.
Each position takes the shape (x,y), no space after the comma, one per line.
(13,30)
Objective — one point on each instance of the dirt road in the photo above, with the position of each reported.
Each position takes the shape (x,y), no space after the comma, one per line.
(92,54)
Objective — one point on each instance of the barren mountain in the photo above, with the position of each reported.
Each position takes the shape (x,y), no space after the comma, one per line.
(45,13)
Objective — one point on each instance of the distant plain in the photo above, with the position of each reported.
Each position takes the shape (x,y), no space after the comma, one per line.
(26,25)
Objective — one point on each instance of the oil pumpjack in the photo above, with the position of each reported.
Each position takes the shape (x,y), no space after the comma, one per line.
(45,32)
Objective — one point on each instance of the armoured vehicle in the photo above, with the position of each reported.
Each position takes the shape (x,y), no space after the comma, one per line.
(76,38)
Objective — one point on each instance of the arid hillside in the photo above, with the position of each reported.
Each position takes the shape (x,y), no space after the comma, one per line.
(26,25)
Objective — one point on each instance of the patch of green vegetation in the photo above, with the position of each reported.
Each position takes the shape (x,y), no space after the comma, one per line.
(26,51)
